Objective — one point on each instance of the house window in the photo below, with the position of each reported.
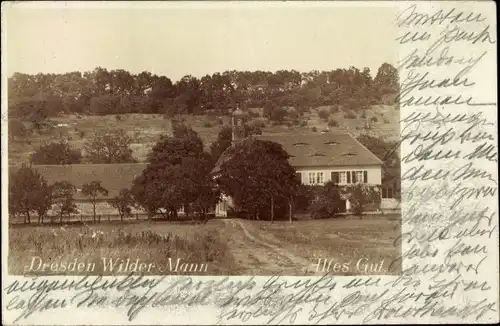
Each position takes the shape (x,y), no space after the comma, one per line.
(358,177)
(311,178)
(319,178)
(315,178)
(343,177)
(348,177)
(298,177)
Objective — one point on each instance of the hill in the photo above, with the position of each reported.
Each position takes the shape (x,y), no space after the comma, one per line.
(381,121)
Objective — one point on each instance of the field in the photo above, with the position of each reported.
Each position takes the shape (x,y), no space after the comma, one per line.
(145,129)
(148,241)
(228,246)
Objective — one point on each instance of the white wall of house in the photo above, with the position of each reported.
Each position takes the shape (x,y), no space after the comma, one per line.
(374,177)
(374,173)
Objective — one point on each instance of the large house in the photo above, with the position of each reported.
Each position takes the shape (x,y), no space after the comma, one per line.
(317,159)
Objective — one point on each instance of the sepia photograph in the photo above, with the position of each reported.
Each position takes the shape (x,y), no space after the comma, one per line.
(203,140)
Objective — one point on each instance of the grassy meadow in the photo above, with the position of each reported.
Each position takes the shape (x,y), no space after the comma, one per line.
(229,247)
(151,242)
(146,129)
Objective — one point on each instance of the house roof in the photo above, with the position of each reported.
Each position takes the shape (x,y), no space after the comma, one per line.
(314,150)
(114,177)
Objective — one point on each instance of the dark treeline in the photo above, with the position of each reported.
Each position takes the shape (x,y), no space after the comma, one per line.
(101,92)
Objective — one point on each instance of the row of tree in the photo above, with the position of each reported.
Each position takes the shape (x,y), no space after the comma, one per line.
(100,92)
(256,174)
(29,193)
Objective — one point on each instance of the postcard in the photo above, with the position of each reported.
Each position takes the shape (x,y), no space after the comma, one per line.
(201,163)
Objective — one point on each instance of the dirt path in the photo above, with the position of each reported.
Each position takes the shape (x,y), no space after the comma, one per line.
(259,257)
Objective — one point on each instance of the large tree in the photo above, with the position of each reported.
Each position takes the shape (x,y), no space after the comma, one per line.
(56,153)
(28,193)
(177,174)
(109,146)
(256,175)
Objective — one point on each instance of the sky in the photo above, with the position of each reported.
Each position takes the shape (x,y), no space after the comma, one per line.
(177,40)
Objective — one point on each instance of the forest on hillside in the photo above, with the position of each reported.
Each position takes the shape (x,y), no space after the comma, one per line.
(34,98)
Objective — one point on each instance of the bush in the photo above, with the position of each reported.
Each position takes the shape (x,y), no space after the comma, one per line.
(207,124)
(323,114)
(118,117)
(374,119)
(56,153)
(303,123)
(386,121)
(314,129)
(360,196)
(327,202)
(333,123)
(278,115)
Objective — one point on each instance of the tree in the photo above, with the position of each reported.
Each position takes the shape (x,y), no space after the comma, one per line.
(386,151)
(359,195)
(56,153)
(222,142)
(177,175)
(37,97)
(327,202)
(123,203)
(109,146)
(208,196)
(387,78)
(268,109)
(171,150)
(63,198)
(28,193)
(271,176)
(93,191)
